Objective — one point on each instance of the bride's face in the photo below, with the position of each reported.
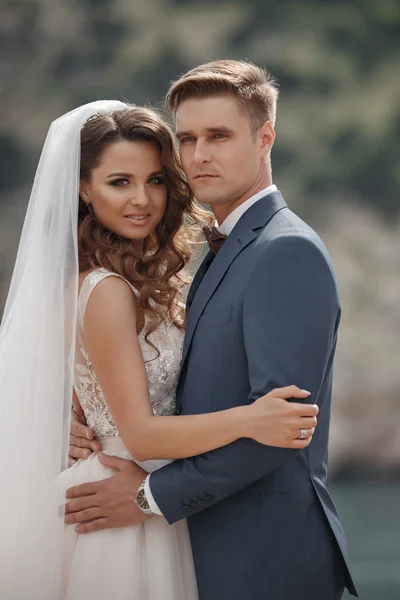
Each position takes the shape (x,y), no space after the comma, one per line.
(127,191)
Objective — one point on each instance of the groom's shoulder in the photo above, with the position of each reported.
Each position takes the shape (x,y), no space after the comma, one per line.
(287,234)
(287,222)
(287,228)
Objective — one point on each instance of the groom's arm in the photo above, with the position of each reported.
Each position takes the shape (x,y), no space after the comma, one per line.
(290,319)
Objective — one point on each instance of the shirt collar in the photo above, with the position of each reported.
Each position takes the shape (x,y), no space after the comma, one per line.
(229,223)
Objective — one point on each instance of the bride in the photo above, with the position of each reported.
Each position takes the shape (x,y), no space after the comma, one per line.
(94,305)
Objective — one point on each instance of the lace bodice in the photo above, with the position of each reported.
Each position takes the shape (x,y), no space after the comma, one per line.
(162,370)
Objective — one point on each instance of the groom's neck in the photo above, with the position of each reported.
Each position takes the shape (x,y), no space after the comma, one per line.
(223,209)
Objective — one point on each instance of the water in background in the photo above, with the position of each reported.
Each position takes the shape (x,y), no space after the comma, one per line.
(370,513)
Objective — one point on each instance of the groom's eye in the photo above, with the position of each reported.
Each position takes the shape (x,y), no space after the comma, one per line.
(186,140)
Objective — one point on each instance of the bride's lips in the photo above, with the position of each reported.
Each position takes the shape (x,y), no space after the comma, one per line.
(205,176)
(138,220)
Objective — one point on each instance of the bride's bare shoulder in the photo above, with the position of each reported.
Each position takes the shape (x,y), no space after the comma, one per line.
(82,277)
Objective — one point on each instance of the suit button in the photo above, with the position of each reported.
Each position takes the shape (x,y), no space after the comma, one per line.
(209,498)
(201,503)
(185,509)
(178,409)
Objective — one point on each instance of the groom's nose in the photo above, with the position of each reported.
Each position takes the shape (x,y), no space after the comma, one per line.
(201,152)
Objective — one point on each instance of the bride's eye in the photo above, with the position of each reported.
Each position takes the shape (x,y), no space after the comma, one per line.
(158,180)
(119,182)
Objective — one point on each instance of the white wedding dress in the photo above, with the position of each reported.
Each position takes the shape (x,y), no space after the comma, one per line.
(150,561)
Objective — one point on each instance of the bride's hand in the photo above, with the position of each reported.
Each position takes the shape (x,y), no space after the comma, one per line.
(81,439)
(276,422)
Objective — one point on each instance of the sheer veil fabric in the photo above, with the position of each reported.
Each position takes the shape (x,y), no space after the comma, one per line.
(37,343)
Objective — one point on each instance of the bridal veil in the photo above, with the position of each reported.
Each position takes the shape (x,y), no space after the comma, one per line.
(37,340)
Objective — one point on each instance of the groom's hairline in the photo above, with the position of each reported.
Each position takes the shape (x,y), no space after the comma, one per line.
(253,88)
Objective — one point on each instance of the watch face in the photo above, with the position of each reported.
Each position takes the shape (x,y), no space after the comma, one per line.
(142,500)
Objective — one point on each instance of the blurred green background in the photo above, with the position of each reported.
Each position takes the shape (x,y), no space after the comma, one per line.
(335,160)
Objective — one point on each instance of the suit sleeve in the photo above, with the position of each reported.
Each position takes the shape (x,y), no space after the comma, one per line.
(289,316)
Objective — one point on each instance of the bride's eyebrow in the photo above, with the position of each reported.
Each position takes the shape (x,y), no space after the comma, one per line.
(119,175)
(128,175)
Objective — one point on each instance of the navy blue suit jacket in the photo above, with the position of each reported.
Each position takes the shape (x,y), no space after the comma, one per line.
(263,314)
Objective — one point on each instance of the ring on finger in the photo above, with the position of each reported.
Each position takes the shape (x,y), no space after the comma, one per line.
(303,433)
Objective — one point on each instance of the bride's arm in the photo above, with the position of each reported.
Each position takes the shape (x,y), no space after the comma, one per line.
(110,331)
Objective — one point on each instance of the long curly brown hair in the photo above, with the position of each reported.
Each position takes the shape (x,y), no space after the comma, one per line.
(157,271)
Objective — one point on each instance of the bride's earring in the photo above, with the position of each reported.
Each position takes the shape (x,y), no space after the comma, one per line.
(89,207)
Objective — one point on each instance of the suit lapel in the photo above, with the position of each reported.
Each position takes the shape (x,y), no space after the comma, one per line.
(201,271)
(210,281)
(212,270)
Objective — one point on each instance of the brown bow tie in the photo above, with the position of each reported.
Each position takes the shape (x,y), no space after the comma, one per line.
(214,238)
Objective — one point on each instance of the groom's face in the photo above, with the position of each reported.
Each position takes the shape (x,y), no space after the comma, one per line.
(220,155)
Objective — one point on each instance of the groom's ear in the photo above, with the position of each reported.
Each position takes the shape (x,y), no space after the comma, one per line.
(267,137)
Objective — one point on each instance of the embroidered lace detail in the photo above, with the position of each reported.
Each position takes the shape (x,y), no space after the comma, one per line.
(94,277)
(162,368)
(163,373)
(92,399)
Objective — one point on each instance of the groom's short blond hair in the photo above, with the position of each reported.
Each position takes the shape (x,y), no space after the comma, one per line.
(253,87)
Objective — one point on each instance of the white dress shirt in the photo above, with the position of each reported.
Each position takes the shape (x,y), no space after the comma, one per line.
(226,227)
(231,220)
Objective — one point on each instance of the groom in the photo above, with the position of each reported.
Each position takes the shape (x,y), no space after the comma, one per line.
(263,313)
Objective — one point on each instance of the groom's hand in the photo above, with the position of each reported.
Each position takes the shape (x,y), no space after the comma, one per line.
(108,503)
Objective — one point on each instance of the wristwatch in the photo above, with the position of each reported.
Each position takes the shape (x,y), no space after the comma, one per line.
(141,499)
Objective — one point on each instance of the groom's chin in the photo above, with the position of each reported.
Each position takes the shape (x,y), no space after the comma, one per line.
(207,199)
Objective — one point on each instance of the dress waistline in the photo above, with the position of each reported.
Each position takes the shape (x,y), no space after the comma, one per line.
(112,444)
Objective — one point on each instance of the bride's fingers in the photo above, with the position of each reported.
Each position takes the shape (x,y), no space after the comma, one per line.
(81,431)
(305,423)
(298,444)
(75,452)
(303,434)
(290,391)
(82,442)
(303,410)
